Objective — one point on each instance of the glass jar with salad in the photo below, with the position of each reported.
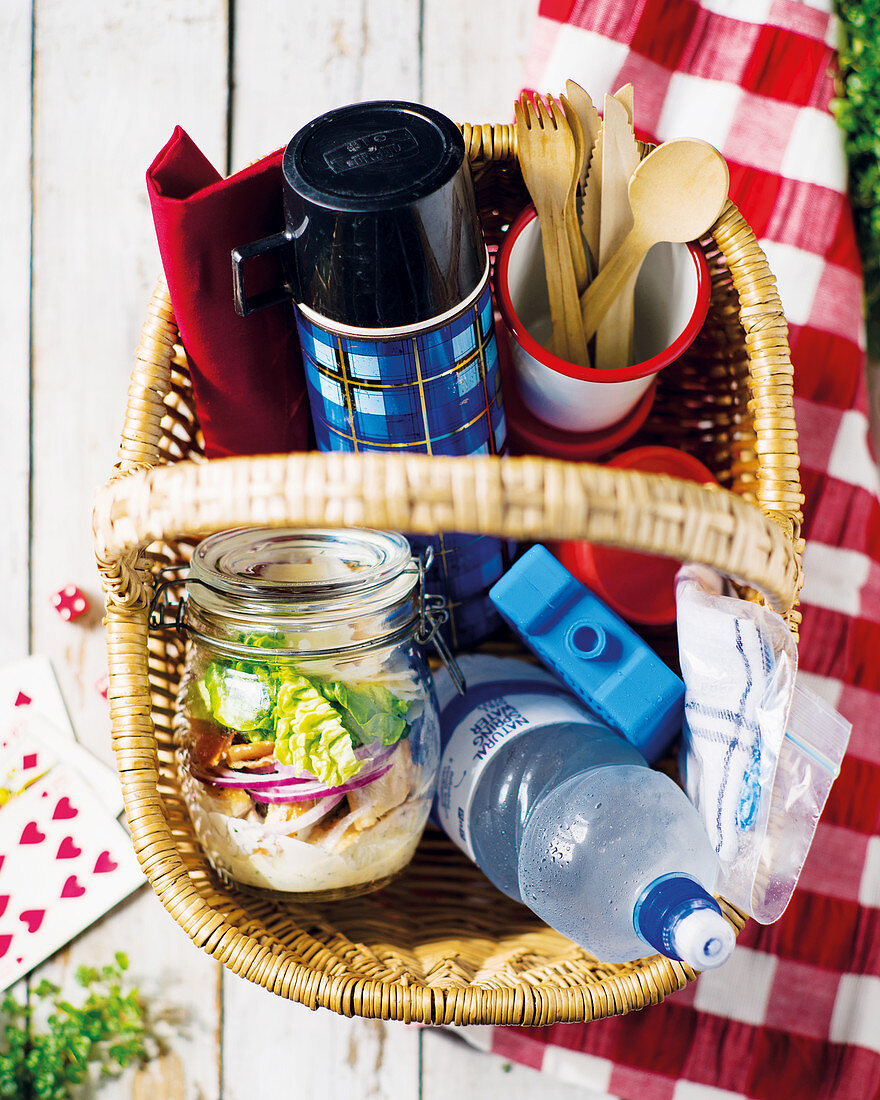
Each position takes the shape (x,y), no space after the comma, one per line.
(307,728)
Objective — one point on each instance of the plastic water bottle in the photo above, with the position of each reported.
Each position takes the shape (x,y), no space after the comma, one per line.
(564,815)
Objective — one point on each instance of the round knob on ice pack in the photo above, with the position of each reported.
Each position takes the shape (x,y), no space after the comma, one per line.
(588,640)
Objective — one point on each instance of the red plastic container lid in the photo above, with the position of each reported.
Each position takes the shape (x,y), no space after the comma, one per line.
(639,587)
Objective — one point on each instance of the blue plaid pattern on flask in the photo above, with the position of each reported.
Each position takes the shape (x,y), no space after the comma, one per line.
(436,391)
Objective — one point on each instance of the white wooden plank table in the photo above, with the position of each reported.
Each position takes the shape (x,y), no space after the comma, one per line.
(90,90)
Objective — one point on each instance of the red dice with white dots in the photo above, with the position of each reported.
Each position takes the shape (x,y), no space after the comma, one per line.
(70,602)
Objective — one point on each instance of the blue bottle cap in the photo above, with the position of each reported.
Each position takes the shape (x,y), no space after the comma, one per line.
(681,920)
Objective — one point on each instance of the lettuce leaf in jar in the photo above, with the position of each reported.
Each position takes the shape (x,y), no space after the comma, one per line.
(309,734)
(239,698)
(271,639)
(370,712)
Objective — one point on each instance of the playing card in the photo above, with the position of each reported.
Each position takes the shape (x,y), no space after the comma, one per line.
(30,684)
(23,760)
(30,744)
(64,862)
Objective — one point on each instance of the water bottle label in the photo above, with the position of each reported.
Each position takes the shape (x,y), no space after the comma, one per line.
(483,731)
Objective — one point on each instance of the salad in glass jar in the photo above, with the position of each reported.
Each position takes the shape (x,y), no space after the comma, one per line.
(307,728)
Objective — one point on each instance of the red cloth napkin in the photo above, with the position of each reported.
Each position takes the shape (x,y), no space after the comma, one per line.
(796,1011)
(247,373)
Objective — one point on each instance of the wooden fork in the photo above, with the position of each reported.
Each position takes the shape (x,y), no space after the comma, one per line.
(548,159)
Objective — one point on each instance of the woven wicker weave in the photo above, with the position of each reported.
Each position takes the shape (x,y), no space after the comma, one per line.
(439,944)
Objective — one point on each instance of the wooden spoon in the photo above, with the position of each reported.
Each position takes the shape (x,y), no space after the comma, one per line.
(675,193)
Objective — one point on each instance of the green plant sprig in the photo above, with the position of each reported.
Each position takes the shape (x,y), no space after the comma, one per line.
(857,109)
(109,1031)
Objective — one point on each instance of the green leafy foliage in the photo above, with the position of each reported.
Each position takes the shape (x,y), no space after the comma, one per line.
(857,109)
(107,1032)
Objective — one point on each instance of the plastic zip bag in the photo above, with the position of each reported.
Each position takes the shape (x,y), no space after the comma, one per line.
(813,747)
(759,754)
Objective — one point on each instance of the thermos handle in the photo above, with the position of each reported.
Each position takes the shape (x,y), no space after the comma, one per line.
(245,305)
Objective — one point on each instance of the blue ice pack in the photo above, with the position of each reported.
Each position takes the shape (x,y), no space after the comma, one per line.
(603,661)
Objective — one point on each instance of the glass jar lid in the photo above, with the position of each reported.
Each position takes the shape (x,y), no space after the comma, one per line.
(304,578)
(296,564)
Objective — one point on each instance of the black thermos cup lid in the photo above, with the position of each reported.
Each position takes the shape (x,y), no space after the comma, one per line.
(381,215)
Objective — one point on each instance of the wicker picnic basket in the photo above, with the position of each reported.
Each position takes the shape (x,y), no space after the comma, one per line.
(439,944)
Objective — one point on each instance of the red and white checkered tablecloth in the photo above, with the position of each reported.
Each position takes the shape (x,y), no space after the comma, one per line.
(796,1012)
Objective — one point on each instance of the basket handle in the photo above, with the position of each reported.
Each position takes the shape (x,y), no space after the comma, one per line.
(528,498)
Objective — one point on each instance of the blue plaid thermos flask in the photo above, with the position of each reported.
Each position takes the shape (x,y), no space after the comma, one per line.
(383,257)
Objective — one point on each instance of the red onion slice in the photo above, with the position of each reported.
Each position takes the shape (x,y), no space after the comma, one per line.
(378,753)
(303,791)
(231,779)
(284,776)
